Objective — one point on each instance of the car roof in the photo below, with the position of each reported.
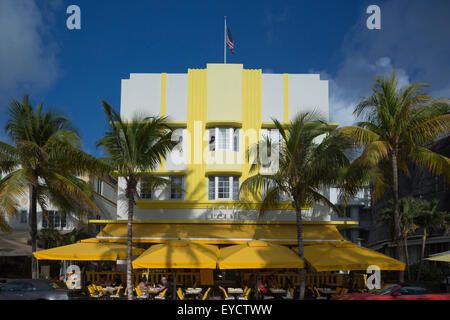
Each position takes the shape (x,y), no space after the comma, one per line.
(39,284)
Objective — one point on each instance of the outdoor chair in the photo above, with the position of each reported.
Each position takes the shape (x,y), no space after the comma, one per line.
(226,294)
(139,293)
(100,290)
(290,296)
(93,292)
(162,295)
(318,296)
(341,291)
(180,294)
(205,295)
(246,294)
(117,294)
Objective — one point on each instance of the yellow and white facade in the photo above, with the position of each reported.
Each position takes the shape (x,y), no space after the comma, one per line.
(218,112)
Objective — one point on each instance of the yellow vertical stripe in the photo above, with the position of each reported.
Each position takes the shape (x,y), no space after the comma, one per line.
(163,94)
(196,182)
(286,97)
(251,116)
(163,106)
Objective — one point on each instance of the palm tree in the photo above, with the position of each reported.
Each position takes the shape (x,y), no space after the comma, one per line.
(397,125)
(44,163)
(312,157)
(429,219)
(409,210)
(134,149)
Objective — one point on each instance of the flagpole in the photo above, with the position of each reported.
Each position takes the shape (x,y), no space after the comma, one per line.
(225,41)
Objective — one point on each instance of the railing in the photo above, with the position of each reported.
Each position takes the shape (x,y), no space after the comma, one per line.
(152,277)
(312,279)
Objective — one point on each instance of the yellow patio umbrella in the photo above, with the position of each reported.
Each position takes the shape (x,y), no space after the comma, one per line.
(258,254)
(178,254)
(443,256)
(87,252)
(347,256)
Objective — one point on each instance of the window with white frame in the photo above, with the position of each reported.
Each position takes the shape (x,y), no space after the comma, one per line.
(23,216)
(55,218)
(274,136)
(174,193)
(223,188)
(145,191)
(99,186)
(224,139)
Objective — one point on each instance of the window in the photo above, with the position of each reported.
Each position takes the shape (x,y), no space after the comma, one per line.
(23,216)
(145,191)
(223,188)
(58,220)
(223,191)
(174,193)
(223,139)
(17,287)
(98,186)
(211,189)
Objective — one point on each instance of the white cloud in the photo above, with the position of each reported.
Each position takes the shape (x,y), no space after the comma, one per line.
(417,47)
(274,18)
(28,61)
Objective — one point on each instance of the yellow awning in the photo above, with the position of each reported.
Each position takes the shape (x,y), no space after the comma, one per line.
(220,233)
(90,240)
(443,256)
(87,252)
(347,256)
(178,254)
(258,255)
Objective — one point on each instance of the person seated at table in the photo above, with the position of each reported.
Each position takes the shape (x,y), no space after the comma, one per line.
(272,282)
(262,287)
(164,284)
(142,284)
(117,281)
(102,281)
(108,283)
(251,281)
(288,288)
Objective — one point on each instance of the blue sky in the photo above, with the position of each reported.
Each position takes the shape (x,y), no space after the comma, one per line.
(71,69)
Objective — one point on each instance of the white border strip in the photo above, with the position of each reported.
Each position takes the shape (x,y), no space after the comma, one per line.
(210,239)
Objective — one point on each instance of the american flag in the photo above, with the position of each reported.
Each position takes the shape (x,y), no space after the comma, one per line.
(230,41)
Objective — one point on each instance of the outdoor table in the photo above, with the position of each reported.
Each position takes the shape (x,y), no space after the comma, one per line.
(327,291)
(195,292)
(278,293)
(153,291)
(110,290)
(235,292)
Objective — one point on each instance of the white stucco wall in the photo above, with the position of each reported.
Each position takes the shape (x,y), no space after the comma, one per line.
(272,99)
(141,95)
(176,159)
(307,93)
(176,97)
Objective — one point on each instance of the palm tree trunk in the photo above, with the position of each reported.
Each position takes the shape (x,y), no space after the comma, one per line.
(398,251)
(32,226)
(405,245)
(422,254)
(131,189)
(302,271)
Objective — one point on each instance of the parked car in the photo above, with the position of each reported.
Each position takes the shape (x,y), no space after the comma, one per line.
(396,292)
(33,289)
